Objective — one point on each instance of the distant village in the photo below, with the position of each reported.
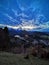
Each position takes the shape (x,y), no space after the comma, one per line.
(36,44)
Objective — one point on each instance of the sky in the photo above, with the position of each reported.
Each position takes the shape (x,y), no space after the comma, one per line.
(25,14)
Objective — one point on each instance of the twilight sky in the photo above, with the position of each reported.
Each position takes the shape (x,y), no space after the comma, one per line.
(25,14)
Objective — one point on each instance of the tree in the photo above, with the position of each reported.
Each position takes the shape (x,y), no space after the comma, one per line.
(7,39)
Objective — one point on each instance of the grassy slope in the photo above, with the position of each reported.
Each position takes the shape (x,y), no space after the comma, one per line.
(16,59)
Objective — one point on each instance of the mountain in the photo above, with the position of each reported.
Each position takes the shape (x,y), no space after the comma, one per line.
(23,32)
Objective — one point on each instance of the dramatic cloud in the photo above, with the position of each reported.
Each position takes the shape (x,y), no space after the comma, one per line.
(25,14)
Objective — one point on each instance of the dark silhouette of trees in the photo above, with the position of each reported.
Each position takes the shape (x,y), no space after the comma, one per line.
(4,39)
(7,40)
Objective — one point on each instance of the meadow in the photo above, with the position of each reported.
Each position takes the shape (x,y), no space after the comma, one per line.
(18,59)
